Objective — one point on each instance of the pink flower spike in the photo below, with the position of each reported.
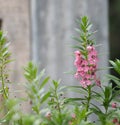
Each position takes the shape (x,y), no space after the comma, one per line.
(114,105)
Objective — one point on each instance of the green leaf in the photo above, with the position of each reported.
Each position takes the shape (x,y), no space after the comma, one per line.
(30,72)
(74,99)
(45,81)
(89,27)
(96,109)
(42,73)
(85,20)
(115,79)
(77,89)
(83,28)
(45,97)
(8,61)
(77,30)
(55,83)
(77,39)
(116,65)
(35,108)
(78,47)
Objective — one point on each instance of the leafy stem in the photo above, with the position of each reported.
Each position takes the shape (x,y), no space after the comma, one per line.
(58,106)
(3,83)
(57,101)
(88,99)
(4,60)
(35,86)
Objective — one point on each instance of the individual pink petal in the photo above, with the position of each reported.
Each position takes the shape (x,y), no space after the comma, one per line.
(82,73)
(82,82)
(76,75)
(90,48)
(77,62)
(86,69)
(77,53)
(88,82)
(88,76)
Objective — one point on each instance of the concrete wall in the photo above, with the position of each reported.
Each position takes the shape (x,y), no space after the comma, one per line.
(15,21)
(53,23)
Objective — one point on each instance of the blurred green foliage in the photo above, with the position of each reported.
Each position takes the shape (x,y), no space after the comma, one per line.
(114,25)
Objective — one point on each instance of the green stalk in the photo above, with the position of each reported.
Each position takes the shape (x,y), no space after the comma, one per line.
(58,106)
(3,83)
(88,100)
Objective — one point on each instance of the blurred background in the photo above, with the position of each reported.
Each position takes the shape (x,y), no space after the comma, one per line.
(41,30)
(114,30)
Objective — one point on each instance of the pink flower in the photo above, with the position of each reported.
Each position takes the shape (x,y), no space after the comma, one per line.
(77,62)
(48,115)
(92,62)
(88,76)
(115,120)
(114,105)
(82,73)
(77,53)
(92,57)
(73,116)
(98,83)
(92,54)
(86,67)
(85,82)
(90,48)
(78,58)
(76,75)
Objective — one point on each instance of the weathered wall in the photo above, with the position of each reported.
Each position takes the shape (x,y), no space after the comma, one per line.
(53,23)
(98,11)
(15,21)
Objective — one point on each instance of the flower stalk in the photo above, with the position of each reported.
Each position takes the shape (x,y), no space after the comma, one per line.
(88,100)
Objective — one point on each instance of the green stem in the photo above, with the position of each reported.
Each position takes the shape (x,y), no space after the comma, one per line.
(106,110)
(88,100)
(58,106)
(3,84)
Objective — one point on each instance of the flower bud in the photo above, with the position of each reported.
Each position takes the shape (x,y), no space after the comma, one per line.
(114,105)
(48,115)
(73,116)
(115,120)
(70,123)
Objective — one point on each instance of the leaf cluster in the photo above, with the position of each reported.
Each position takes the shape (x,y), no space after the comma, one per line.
(36,86)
